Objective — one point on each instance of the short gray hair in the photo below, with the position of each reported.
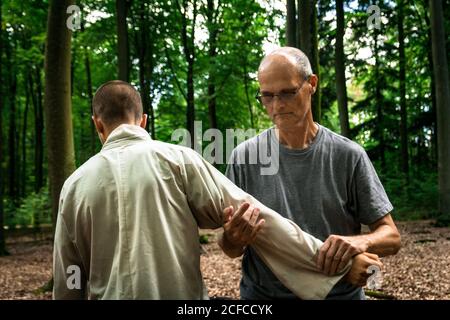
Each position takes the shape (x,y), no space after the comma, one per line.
(299,59)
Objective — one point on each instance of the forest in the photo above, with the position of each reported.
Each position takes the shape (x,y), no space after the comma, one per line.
(382,68)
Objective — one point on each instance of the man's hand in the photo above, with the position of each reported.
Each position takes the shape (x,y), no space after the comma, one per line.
(337,251)
(240,229)
(358,275)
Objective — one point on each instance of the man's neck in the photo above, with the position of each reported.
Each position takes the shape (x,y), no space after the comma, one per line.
(299,138)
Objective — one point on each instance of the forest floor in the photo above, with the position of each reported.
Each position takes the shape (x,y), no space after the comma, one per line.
(421,270)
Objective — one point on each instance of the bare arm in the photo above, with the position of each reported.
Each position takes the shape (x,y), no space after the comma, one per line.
(384,239)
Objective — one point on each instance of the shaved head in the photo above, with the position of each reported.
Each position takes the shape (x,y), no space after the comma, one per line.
(293,55)
(117,102)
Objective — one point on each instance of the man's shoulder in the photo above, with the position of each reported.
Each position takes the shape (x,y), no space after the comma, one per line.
(86,170)
(342,145)
(175,153)
(253,142)
(87,175)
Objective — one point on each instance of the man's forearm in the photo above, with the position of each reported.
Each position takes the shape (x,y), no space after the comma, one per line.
(383,241)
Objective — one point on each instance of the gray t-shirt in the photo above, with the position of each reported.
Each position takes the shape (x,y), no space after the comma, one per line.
(330,187)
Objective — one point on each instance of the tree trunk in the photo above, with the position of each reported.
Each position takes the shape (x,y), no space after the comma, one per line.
(304,24)
(12,159)
(212,53)
(434,145)
(122,39)
(189,54)
(379,103)
(145,51)
(402,78)
(57,101)
(24,139)
(341,87)
(291,24)
(249,103)
(3,250)
(317,97)
(308,40)
(443,105)
(87,66)
(38,125)
(39,131)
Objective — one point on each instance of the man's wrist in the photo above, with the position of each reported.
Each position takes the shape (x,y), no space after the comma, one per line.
(363,243)
(231,248)
(367,243)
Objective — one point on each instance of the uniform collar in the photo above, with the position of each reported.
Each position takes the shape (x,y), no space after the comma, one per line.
(123,133)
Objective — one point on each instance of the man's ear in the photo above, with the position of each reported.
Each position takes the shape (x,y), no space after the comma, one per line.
(313,81)
(143,123)
(100,129)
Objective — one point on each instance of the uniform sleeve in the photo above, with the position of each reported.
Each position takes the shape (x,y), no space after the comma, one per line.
(233,171)
(282,245)
(69,277)
(369,198)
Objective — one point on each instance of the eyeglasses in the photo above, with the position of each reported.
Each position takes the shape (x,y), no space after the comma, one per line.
(268,98)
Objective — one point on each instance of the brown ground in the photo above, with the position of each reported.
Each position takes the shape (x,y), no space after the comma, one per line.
(421,270)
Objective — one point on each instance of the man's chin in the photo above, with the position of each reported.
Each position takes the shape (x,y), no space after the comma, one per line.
(286,122)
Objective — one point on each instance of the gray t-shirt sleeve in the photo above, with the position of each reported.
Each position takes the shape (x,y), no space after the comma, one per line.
(369,198)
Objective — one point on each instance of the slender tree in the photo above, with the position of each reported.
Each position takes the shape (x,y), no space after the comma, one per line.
(341,87)
(443,105)
(3,250)
(38,128)
(434,146)
(145,51)
(402,79)
(122,39)
(57,100)
(291,24)
(187,39)
(213,30)
(12,149)
(317,98)
(87,68)
(379,98)
(24,139)
(304,27)
(308,42)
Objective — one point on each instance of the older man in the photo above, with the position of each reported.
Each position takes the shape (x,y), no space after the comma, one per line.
(128,218)
(325,183)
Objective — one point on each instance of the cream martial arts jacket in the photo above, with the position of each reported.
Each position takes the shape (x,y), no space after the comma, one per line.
(128,224)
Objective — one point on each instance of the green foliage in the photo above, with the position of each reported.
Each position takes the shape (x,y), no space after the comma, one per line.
(414,199)
(204,239)
(33,210)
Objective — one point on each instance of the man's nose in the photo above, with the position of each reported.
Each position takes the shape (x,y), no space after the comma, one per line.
(277,103)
